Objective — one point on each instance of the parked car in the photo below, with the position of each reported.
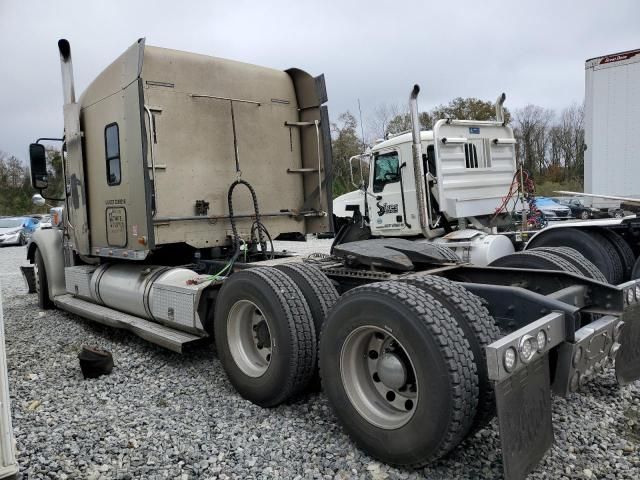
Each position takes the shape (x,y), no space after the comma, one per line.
(17,230)
(552,210)
(45,222)
(580,210)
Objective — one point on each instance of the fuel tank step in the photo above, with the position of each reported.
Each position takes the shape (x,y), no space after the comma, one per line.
(153,332)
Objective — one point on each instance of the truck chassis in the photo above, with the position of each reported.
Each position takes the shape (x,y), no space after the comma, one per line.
(378,317)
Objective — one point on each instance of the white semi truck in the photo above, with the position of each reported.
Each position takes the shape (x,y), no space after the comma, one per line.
(415,346)
(468,170)
(612,121)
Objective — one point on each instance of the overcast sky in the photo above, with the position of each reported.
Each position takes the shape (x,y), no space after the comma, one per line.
(534,51)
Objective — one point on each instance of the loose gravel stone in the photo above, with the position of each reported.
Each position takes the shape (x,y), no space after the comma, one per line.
(161,415)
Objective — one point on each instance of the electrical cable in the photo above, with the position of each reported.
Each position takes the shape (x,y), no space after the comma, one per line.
(257,225)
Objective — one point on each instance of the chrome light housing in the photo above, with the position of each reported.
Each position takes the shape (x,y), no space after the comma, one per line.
(527,347)
(510,359)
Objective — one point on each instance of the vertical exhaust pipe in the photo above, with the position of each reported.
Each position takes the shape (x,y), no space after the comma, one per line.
(499,108)
(68,89)
(416,149)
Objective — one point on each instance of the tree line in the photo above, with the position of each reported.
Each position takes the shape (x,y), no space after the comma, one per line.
(549,144)
(15,184)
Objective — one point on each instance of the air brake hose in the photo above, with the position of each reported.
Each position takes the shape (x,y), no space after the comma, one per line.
(256,226)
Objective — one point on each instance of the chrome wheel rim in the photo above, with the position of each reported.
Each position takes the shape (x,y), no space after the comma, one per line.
(379,377)
(249,338)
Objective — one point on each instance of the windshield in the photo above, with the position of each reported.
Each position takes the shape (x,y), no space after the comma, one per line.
(11,222)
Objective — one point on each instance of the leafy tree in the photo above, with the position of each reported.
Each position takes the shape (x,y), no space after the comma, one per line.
(15,184)
(468,108)
(402,123)
(345,144)
(532,126)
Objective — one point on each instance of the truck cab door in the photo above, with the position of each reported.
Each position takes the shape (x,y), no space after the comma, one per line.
(386,211)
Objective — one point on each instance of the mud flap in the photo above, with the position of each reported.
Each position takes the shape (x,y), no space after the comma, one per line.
(523,403)
(628,357)
(29,275)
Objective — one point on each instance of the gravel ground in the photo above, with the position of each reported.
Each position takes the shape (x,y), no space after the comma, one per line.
(163,415)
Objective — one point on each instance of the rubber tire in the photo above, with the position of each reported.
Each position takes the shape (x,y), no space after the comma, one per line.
(320,294)
(590,246)
(447,253)
(587,268)
(22,240)
(294,351)
(561,263)
(623,249)
(584,215)
(535,260)
(635,273)
(42,284)
(479,328)
(612,253)
(546,261)
(317,289)
(442,359)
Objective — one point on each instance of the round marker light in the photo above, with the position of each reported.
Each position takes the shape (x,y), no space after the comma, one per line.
(510,358)
(630,296)
(541,338)
(527,348)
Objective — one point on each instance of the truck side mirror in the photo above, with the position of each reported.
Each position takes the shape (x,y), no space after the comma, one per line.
(38,159)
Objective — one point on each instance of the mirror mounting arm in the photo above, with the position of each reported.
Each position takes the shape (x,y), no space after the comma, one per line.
(50,198)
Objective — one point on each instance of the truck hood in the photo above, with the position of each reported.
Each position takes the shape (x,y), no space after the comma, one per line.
(351,198)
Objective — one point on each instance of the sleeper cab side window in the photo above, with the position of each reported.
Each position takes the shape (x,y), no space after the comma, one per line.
(112,151)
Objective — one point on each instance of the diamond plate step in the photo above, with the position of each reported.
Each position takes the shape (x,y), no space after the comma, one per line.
(153,332)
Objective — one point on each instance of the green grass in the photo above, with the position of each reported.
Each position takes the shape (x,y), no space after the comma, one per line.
(548,188)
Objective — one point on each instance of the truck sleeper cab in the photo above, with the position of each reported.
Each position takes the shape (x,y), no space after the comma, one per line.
(415,346)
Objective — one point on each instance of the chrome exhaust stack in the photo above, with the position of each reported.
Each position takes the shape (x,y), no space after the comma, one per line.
(68,88)
(418,174)
(499,108)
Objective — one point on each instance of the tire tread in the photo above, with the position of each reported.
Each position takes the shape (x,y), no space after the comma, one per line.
(455,351)
(475,320)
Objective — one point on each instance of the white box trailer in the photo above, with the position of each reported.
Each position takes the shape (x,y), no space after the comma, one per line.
(612,122)
(8,467)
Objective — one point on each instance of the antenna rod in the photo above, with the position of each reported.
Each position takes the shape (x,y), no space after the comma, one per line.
(364,147)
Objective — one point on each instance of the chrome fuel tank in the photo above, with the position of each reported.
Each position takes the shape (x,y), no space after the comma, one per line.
(162,294)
